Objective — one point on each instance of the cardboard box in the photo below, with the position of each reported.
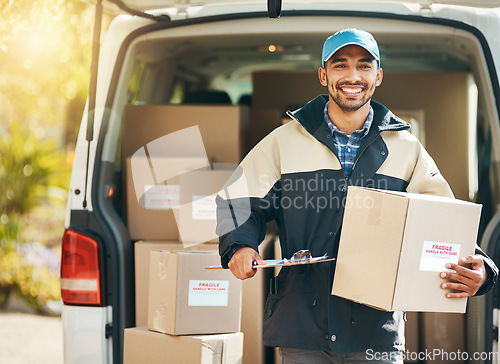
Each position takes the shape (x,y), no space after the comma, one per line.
(262,122)
(284,90)
(255,291)
(146,347)
(196,215)
(412,335)
(393,246)
(446,113)
(186,299)
(142,250)
(222,128)
(416,118)
(444,332)
(150,202)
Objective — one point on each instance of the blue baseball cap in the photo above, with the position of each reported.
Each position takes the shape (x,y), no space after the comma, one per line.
(347,37)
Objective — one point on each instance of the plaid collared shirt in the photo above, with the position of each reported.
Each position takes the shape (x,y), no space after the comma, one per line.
(347,145)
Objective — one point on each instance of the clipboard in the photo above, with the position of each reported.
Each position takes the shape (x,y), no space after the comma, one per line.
(271,263)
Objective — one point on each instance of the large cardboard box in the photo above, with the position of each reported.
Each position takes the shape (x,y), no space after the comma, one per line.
(178,205)
(142,250)
(222,128)
(196,215)
(412,335)
(401,242)
(262,122)
(284,89)
(185,298)
(444,333)
(151,202)
(255,291)
(448,118)
(146,347)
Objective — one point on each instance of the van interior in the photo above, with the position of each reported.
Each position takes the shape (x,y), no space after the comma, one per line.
(245,75)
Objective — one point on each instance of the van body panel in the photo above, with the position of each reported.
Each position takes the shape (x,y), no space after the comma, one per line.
(119,29)
(84,335)
(156,4)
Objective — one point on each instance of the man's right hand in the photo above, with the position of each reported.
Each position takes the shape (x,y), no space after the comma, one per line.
(241,263)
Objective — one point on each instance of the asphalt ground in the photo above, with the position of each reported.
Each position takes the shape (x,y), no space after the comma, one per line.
(28,338)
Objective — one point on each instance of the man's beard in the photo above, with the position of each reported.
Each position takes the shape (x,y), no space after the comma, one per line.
(346,104)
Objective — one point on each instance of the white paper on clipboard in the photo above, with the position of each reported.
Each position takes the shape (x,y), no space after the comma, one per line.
(284,262)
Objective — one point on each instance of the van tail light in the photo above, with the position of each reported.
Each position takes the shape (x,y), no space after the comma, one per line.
(80,270)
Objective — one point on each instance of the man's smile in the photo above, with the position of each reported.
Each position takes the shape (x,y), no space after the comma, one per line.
(351,90)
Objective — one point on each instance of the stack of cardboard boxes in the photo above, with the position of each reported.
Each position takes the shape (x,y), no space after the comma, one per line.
(166,146)
(177,157)
(193,314)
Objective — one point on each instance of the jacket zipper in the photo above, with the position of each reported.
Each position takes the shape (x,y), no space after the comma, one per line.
(358,155)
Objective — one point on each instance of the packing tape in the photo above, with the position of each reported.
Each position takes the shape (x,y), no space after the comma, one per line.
(373,202)
(215,350)
(160,317)
(163,266)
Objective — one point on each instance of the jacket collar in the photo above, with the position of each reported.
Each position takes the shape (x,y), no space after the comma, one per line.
(311,116)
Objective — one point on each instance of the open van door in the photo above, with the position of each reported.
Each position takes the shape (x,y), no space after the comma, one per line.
(483,313)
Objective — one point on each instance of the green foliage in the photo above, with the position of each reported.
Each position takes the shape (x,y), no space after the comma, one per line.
(45,51)
(36,283)
(28,167)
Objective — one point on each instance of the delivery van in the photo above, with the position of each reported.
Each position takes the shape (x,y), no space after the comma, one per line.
(231,70)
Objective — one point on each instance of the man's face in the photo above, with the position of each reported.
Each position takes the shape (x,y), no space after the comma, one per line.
(351,76)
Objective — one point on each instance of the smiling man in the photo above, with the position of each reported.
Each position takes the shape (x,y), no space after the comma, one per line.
(298,175)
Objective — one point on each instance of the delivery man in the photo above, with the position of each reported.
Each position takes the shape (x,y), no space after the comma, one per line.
(298,175)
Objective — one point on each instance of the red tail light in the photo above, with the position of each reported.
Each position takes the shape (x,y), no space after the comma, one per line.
(80,270)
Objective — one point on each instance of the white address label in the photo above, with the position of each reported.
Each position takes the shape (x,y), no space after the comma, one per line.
(208,293)
(435,256)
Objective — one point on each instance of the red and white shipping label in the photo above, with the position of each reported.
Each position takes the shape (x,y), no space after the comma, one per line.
(436,255)
(204,208)
(208,293)
(162,197)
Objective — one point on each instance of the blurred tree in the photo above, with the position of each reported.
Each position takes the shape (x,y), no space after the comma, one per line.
(45,51)
(28,168)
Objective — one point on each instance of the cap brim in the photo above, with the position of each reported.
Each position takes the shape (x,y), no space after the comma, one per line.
(346,44)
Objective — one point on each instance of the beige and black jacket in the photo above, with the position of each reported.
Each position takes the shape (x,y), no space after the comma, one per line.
(294,176)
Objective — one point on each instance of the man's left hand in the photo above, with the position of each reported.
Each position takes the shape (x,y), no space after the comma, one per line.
(469,277)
